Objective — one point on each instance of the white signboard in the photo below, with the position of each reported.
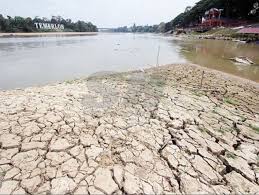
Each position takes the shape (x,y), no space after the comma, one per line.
(49,26)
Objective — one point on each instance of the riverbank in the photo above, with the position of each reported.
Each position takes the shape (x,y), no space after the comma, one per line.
(223,33)
(164,130)
(36,34)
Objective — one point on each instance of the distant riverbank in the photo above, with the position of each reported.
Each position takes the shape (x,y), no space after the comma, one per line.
(35,34)
(224,33)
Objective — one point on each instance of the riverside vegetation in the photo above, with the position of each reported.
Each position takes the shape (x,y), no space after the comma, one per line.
(159,131)
(20,24)
(233,10)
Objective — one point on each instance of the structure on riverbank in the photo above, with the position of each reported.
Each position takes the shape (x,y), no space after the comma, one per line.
(212,18)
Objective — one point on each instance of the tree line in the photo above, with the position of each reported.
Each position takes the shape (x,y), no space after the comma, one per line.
(232,9)
(20,24)
(142,29)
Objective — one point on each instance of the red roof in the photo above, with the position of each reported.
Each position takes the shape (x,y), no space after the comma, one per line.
(249,30)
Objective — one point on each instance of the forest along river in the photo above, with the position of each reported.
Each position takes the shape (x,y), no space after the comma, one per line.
(34,61)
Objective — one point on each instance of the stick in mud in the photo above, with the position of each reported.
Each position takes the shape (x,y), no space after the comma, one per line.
(202,77)
(158,53)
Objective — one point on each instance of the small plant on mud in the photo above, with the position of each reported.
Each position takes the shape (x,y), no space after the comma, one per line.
(230,101)
(221,131)
(158,82)
(214,111)
(230,155)
(236,130)
(203,129)
(69,82)
(198,93)
(256,129)
(243,119)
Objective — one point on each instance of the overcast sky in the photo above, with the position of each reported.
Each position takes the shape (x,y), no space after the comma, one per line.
(103,13)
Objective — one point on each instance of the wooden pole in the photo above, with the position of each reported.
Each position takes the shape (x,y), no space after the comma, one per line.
(202,77)
(158,53)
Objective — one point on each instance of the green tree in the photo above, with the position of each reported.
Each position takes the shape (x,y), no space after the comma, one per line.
(233,9)
(20,24)
(3,24)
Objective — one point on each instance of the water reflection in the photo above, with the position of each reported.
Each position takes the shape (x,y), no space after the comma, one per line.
(15,44)
(39,60)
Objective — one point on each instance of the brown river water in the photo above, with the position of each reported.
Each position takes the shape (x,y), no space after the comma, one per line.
(32,61)
(216,54)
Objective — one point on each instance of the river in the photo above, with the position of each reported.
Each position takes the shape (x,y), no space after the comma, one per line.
(32,61)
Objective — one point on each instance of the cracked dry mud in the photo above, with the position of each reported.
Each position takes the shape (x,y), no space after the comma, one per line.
(149,132)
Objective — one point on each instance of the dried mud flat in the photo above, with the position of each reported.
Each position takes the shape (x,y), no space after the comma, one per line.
(152,132)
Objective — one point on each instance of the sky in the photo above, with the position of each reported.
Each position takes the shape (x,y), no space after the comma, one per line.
(103,13)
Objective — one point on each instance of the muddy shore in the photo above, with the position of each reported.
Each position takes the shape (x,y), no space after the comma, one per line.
(165,130)
(47,34)
(225,37)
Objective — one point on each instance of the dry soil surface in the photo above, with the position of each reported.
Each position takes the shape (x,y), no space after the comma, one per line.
(151,132)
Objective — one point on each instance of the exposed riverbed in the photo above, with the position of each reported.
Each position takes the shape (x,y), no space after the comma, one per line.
(34,61)
(152,132)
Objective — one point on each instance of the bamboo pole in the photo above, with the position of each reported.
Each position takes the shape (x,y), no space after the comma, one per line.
(202,77)
(158,53)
